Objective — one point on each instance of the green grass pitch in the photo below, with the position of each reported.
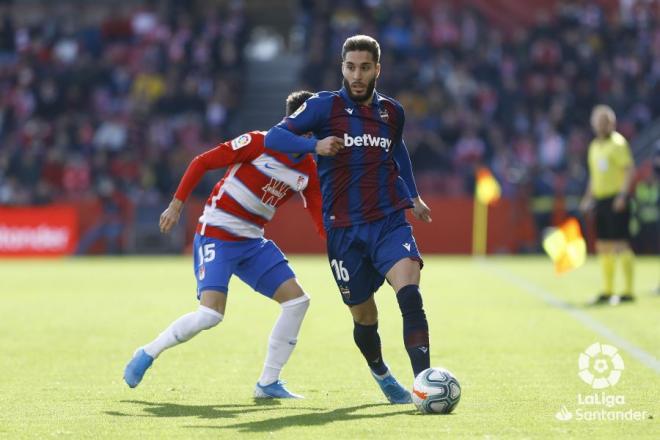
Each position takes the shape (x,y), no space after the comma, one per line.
(508,327)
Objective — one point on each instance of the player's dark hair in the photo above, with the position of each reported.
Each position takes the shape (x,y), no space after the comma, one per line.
(295,100)
(361,42)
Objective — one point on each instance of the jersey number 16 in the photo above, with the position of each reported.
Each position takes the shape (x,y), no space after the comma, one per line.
(341,273)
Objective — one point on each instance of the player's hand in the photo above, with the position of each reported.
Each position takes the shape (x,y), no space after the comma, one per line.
(586,204)
(421,211)
(329,146)
(170,217)
(619,203)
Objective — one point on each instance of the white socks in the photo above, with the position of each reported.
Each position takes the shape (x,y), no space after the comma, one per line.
(281,343)
(283,338)
(183,329)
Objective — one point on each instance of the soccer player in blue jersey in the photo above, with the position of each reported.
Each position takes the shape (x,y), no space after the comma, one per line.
(367,184)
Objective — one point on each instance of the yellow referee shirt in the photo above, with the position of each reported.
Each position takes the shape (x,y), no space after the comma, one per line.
(608,160)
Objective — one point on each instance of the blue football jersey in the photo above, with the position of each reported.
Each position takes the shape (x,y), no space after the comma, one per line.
(362,183)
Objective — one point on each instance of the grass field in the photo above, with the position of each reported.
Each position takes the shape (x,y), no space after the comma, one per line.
(508,328)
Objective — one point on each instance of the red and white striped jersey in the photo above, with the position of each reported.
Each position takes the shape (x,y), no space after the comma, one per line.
(257,181)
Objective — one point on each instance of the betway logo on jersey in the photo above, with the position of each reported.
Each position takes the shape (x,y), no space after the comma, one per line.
(367,140)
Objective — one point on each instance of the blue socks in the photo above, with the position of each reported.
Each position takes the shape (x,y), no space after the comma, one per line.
(415,327)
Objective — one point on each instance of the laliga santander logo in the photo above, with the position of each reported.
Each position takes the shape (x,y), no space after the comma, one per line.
(600,366)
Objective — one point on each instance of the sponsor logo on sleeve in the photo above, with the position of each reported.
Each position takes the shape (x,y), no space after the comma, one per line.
(241,141)
(299,111)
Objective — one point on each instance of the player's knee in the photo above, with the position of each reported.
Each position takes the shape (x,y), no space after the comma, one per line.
(300,303)
(404,273)
(365,316)
(208,318)
(286,291)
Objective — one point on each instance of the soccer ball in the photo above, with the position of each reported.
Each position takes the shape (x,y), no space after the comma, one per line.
(436,391)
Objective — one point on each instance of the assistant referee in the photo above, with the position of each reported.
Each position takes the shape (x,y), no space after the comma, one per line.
(611,170)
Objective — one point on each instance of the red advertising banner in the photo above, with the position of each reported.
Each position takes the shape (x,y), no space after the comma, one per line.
(510,227)
(38,231)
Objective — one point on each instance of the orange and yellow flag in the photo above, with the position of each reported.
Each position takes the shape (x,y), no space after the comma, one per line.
(566,246)
(487,188)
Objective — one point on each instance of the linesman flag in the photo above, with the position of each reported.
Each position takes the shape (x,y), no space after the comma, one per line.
(487,188)
(566,246)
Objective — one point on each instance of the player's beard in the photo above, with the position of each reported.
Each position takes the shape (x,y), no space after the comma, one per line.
(360,99)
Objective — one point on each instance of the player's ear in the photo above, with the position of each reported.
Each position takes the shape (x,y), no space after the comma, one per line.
(377,70)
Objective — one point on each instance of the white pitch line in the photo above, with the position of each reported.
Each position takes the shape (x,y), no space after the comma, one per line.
(585,319)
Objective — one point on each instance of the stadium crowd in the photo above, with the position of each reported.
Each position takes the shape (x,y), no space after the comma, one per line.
(515,99)
(111,98)
(115,99)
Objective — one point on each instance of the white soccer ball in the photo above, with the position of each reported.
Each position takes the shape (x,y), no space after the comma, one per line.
(436,391)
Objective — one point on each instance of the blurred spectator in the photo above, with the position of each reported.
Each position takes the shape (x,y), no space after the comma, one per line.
(92,90)
(535,85)
(110,227)
(645,222)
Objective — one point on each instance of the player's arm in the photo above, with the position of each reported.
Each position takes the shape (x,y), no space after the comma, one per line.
(287,136)
(629,167)
(587,201)
(313,201)
(242,149)
(420,210)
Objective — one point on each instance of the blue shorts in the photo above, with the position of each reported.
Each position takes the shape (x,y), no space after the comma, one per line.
(258,262)
(361,255)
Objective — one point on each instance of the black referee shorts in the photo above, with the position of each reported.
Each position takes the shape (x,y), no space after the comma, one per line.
(612,225)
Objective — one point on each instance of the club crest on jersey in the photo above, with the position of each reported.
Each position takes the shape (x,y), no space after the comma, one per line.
(241,141)
(299,111)
(349,110)
(384,115)
(274,191)
(367,140)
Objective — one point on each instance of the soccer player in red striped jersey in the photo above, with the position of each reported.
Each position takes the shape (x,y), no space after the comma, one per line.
(367,184)
(229,241)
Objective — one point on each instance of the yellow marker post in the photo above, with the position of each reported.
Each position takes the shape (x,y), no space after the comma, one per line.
(487,191)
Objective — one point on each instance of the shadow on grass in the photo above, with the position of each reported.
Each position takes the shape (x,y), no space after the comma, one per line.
(158,409)
(315,418)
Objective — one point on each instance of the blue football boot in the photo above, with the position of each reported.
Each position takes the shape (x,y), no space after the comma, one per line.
(275,390)
(134,371)
(392,389)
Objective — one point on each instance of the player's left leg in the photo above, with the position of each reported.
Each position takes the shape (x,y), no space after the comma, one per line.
(613,242)
(283,338)
(268,273)
(627,259)
(398,258)
(621,231)
(404,278)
